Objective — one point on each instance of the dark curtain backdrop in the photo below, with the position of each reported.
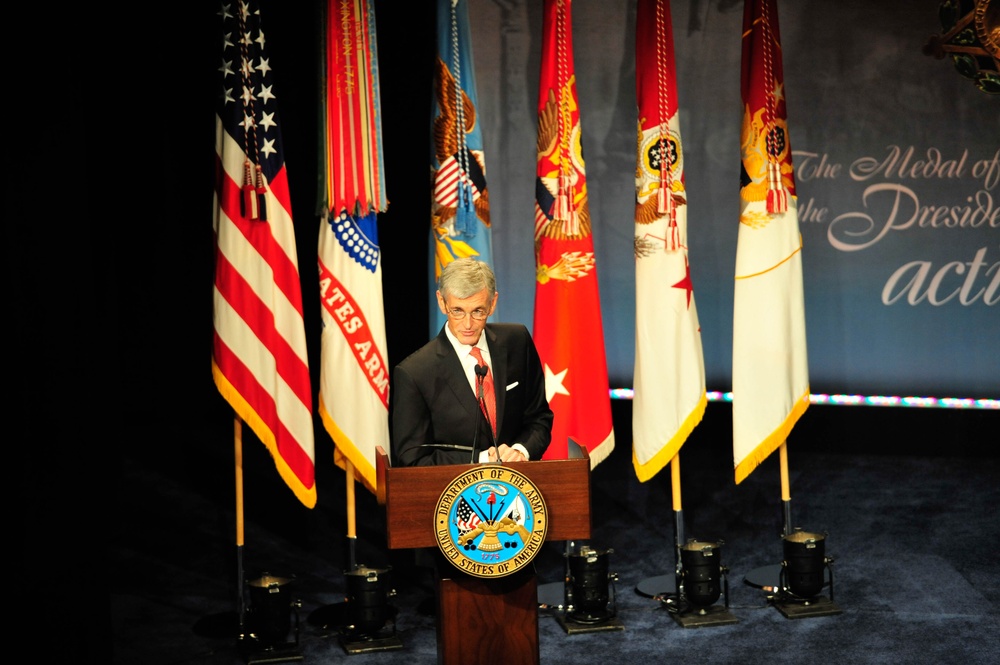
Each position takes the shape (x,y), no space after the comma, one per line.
(897,156)
(897,165)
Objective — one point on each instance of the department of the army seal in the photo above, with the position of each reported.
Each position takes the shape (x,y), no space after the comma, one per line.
(490,521)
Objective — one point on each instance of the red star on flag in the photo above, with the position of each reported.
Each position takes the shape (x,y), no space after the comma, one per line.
(686,282)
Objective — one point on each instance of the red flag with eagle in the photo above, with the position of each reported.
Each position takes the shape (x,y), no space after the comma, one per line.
(770,368)
(567,327)
(354,376)
(259,358)
(460,202)
(669,377)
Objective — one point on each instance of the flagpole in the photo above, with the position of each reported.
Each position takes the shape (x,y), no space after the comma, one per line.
(352,532)
(665,586)
(786,495)
(675,483)
(353,403)
(238,443)
(233,624)
(769,578)
(337,615)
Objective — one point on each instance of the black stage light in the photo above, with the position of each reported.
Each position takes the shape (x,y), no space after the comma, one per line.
(371,623)
(269,621)
(590,605)
(589,577)
(367,601)
(701,581)
(804,572)
(795,585)
(702,574)
(805,564)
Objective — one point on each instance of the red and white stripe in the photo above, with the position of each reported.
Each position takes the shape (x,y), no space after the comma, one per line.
(259,357)
(446,182)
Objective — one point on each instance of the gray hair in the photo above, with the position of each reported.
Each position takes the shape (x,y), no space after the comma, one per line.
(465,277)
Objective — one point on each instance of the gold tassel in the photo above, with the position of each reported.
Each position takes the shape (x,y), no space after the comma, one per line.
(261,196)
(249,193)
(777,197)
(664,201)
(665,205)
(673,241)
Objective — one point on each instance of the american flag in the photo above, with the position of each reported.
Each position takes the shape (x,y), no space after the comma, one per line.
(466,519)
(259,357)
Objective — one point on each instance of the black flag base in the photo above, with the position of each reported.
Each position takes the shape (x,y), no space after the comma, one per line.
(654,587)
(714,615)
(255,654)
(800,599)
(367,619)
(330,616)
(552,601)
(767,578)
(370,629)
(693,606)
(688,614)
(574,624)
(794,586)
(386,641)
(271,618)
(356,638)
(820,606)
(589,599)
(690,594)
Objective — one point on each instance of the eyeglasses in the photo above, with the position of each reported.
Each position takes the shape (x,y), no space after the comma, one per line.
(457,314)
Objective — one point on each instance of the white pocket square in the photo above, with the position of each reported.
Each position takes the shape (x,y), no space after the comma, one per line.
(513,385)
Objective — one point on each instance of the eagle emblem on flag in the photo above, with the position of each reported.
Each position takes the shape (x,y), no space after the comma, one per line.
(754,140)
(460,194)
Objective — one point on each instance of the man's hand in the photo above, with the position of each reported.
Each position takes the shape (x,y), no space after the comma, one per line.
(507,454)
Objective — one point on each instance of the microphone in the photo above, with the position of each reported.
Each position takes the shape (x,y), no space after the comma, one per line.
(481,371)
(445,446)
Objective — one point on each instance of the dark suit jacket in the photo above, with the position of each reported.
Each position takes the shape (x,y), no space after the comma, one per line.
(432,402)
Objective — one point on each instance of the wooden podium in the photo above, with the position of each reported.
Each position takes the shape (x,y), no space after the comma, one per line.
(494,620)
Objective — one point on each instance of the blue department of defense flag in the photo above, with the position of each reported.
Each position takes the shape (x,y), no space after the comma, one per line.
(460,205)
(259,356)
(354,375)
(669,376)
(770,368)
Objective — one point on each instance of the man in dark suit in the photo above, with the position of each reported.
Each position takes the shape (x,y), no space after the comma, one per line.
(436,414)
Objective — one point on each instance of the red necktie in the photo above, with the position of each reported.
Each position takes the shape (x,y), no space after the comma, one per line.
(489,394)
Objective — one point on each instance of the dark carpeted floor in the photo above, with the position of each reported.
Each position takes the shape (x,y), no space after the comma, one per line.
(913,537)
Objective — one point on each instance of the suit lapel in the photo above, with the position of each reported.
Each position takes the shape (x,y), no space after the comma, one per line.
(454,374)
